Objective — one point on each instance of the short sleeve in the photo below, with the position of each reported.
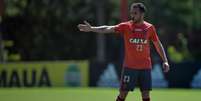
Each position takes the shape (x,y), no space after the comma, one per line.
(153,34)
(120,28)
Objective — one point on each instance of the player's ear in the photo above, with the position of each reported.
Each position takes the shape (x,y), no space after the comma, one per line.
(142,14)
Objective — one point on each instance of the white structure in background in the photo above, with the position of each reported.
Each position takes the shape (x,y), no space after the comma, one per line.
(109,77)
(196,82)
(158,79)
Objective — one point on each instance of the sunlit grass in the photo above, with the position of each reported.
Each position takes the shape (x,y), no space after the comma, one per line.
(93,94)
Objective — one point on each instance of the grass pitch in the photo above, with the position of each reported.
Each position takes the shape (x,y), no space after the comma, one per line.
(94,94)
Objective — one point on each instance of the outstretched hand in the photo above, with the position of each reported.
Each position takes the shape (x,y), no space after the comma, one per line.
(86,27)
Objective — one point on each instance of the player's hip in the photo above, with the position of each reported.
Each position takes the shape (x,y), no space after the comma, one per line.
(130,78)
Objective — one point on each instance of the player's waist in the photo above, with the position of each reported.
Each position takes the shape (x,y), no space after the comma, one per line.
(138,67)
(134,61)
(146,65)
(136,54)
(138,57)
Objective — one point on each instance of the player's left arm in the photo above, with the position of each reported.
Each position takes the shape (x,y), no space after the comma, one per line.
(159,48)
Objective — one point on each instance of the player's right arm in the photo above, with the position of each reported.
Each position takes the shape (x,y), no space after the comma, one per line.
(86,27)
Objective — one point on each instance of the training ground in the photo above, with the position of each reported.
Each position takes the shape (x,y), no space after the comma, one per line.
(94,94)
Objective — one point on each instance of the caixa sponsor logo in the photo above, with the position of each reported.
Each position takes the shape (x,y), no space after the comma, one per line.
(24,78)
(138,41)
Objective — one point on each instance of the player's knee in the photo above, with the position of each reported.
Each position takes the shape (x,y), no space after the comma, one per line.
(123,94)
(145,94)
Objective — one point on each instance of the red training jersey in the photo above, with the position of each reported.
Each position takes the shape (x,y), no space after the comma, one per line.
(137,43)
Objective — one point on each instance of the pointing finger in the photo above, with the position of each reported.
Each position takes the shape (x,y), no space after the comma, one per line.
(87,23)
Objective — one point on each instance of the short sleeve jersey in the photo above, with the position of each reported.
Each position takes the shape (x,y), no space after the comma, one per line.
(137,43)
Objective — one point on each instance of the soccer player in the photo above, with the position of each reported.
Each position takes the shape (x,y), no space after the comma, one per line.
(137,35)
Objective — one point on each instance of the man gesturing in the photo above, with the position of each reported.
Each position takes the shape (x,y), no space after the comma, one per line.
(137,35)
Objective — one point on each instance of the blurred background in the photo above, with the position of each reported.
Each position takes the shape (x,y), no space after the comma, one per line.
(41,46)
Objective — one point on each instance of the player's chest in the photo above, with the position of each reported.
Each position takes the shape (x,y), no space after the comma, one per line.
(137,33)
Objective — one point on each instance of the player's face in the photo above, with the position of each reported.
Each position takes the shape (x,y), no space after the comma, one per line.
(136,15)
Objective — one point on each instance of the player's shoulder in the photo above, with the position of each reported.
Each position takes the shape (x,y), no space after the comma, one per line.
(147,24)
(126,23)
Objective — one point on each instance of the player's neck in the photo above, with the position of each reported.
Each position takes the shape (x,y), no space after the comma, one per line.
(139,22)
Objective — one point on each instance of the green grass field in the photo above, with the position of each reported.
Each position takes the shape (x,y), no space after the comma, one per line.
(93,94)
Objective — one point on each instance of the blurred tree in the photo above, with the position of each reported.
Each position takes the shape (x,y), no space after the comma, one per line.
(1,39)
(194,32)
(182,54)
(176,16)
(47,29)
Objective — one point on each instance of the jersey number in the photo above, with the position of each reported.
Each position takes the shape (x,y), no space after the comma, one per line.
(126,79)
(139,48)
